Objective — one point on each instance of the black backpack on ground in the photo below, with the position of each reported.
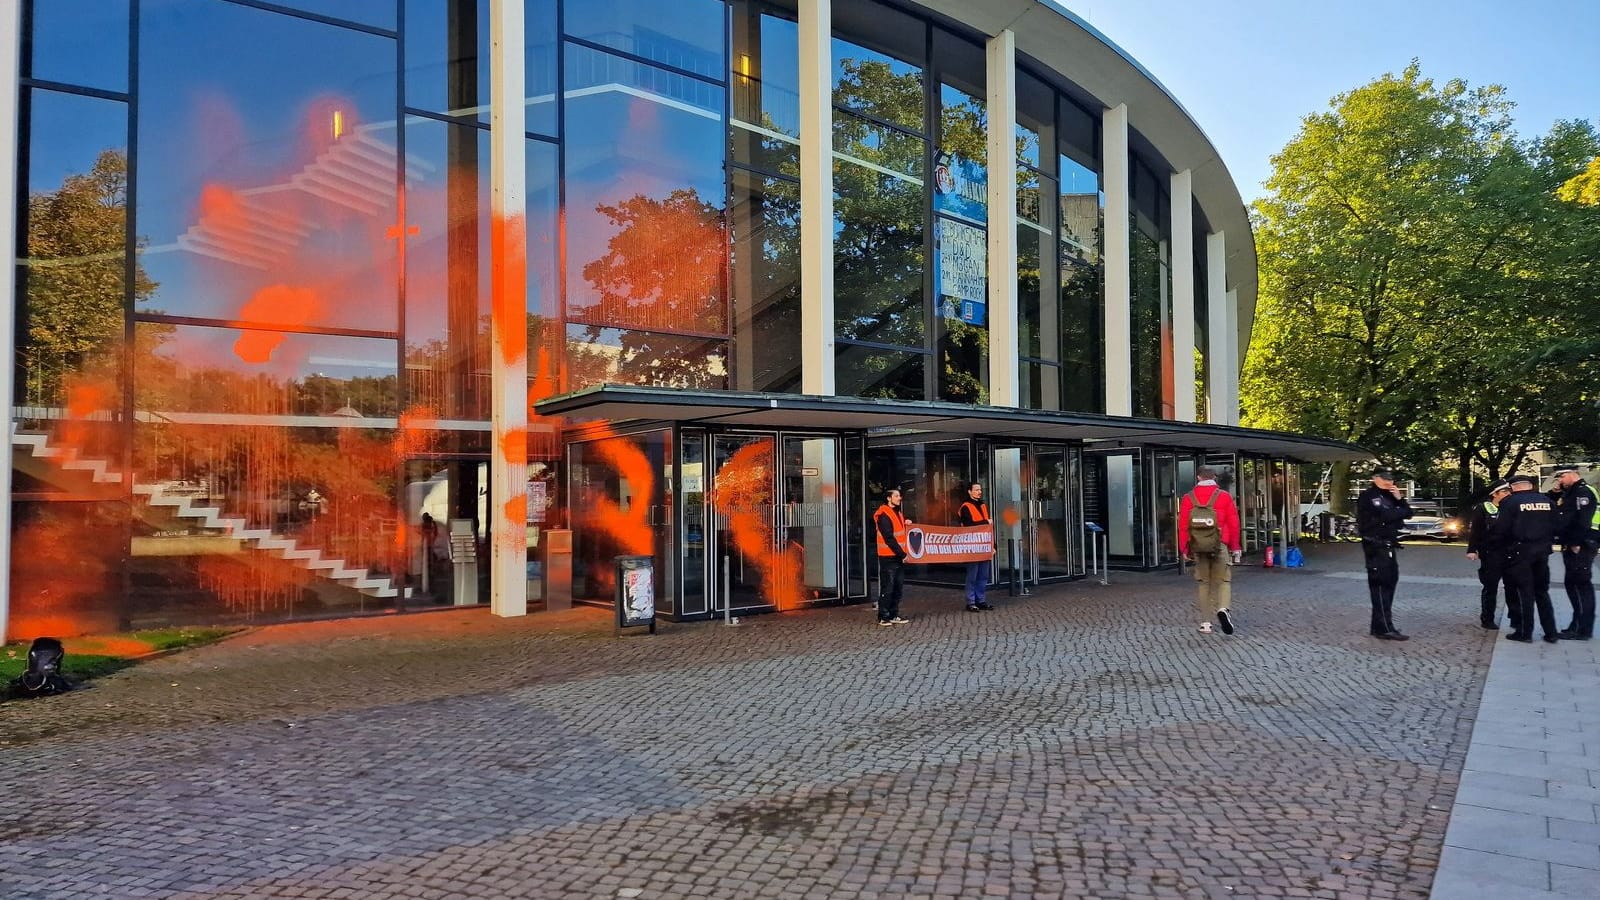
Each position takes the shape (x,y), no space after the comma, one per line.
(43,676)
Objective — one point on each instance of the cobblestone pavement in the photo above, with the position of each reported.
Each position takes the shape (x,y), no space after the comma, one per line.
(1084,742)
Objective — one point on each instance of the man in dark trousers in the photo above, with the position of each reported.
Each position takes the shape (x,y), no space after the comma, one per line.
(1490,554)
(893,529)
(1578,524)
(975,512)
(1527,525)
(1379,511)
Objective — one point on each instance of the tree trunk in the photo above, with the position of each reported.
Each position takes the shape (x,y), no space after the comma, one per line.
(1464,480)
(1339,488)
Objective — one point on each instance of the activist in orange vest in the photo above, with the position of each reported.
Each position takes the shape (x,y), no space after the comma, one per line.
(893,530)
(976,512)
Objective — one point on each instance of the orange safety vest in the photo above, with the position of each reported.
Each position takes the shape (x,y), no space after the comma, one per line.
(902,532)
(979,512)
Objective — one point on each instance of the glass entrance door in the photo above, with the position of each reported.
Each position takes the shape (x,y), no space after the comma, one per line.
(775,532)
(1032,507)
(1052,543)
(741,513)
(809,519)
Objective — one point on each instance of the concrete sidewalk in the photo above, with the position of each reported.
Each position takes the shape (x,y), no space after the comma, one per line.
(1526,820)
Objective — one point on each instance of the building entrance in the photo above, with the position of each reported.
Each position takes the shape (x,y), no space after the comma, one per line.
(774,535)
(1035,508)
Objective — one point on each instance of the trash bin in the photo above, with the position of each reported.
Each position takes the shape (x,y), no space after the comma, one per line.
(557,566)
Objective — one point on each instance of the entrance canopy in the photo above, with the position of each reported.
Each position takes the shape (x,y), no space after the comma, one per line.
(880,418)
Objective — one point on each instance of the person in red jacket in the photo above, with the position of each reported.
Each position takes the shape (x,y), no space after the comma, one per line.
(1208,537)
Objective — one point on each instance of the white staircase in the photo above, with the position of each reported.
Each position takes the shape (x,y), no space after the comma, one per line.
(165,496)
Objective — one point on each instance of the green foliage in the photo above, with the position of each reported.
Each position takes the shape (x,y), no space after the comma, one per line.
(1415,264)
(75,275)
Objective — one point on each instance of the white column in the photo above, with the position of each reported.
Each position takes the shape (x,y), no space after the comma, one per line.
(816,198)
(10,75)
(1118,303)
(508,336)
(1002,112)
(1217,327)
(1183,296)
(1230,306)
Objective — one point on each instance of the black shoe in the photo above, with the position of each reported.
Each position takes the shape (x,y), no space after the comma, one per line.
(1396,636)
(984,606)
(973,607)
(1488,624)
(1551,639)
(1520,638)
(1567,634)
(1225,620)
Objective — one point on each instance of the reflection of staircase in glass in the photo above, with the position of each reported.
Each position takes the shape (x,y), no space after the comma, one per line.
(170,498)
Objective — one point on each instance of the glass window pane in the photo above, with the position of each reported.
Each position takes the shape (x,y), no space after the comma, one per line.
(81,42)
(765,130)
(878,256)
(72,278)
(1082,340)
(878,147)
(1036,115)
(447,57)
(66,567)
(881,30)
(1079,135)
(1033,255)
(256,176)
(377,13)
(1082,211)
(540,66)
(645,194)
(684,34)
(544,286)
(597,355)
(447,269)
(878,84)
(766,283)
(192,369)
(1040,386)
(869,372)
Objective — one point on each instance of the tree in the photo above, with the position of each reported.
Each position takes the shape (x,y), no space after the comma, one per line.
(1409,277)
(76,274)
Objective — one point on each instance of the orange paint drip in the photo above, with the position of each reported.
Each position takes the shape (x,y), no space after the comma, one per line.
(508,280)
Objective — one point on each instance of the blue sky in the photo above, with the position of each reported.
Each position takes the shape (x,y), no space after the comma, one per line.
(1248,70)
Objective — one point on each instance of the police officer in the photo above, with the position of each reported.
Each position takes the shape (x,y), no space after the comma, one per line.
(1490,554)
(1526,523)
(1379,511)
(1578,532)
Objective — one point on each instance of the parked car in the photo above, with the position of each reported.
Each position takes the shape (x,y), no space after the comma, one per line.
(1432,528)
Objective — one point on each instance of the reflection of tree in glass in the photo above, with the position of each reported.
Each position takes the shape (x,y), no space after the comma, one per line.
(664,271)
(878,243)
(75,278)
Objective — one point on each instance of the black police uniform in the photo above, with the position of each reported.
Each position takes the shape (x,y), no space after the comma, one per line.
(1527,523)
(1578,523)
(1378,518)
(1492,553)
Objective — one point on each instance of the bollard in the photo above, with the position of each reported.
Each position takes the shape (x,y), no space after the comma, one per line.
(1012,580)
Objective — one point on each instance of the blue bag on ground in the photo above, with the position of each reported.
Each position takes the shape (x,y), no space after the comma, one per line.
(1294,559)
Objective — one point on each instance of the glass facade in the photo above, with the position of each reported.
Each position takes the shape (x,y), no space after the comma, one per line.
(258,294)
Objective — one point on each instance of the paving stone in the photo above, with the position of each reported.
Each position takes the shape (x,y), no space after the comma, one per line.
(1081,742)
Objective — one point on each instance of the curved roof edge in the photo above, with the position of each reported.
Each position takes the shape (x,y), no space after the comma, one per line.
(1060,39)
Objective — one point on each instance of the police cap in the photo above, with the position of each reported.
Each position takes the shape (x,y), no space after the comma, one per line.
(1520,479)
(1384,472)
(1562,470)
(1500,486)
